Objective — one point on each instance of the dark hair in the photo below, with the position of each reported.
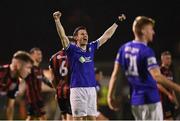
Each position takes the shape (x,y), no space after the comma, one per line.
(23,56)
(34,49)
(77,29)
(97,70)
(165,53)
(140,22)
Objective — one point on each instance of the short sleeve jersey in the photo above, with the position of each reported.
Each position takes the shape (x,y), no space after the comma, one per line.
(82,64)
(136,59)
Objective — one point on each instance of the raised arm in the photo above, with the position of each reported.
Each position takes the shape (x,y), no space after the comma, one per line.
(156,74)
(60,29)
(110,31)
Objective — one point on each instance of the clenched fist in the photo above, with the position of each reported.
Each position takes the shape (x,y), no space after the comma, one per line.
(122,17)
(57,15)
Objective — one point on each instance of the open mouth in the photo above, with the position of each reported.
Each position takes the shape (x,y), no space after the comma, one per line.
(85,39)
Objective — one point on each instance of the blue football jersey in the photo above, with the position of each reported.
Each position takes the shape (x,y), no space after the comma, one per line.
(136,59)
(82,64)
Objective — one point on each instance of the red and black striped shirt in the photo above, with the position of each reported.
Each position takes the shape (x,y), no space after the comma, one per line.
(8,85)
(168,105)
(168,74)
(33,85)
(60,67)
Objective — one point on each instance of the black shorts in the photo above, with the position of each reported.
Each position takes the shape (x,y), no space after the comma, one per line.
(64,105)
(36,109)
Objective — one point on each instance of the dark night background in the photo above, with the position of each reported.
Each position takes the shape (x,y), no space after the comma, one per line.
(28,23)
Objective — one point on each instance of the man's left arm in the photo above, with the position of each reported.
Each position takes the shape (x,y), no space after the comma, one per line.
(110,31)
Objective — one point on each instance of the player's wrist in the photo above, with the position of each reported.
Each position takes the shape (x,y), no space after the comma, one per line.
(117,22)
(120,19)
(56,19)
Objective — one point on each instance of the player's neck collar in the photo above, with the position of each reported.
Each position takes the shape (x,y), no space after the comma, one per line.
(83,50)
(137,41)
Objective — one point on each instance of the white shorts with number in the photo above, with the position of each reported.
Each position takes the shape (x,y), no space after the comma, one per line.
(148,111)
(83,101)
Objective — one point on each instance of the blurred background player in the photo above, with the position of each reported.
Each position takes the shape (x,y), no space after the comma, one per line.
(33,90)
(59,66)
(20,67)
(99,77)
(138,62)
(168,96)
(81,58)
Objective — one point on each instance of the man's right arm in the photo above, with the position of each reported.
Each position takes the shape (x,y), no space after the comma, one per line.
(111,102)
(156,74)
(60,29)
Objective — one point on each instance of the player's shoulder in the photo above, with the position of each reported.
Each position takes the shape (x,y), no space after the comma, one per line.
(93,42)
(71,45)
(144,49)
(142,46)
(147,49)
(59,53)
(138,44)
(129,43)
(58,56)
(125,45)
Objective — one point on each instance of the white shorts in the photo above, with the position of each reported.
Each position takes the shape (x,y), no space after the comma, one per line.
(83,101)
(148,111)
